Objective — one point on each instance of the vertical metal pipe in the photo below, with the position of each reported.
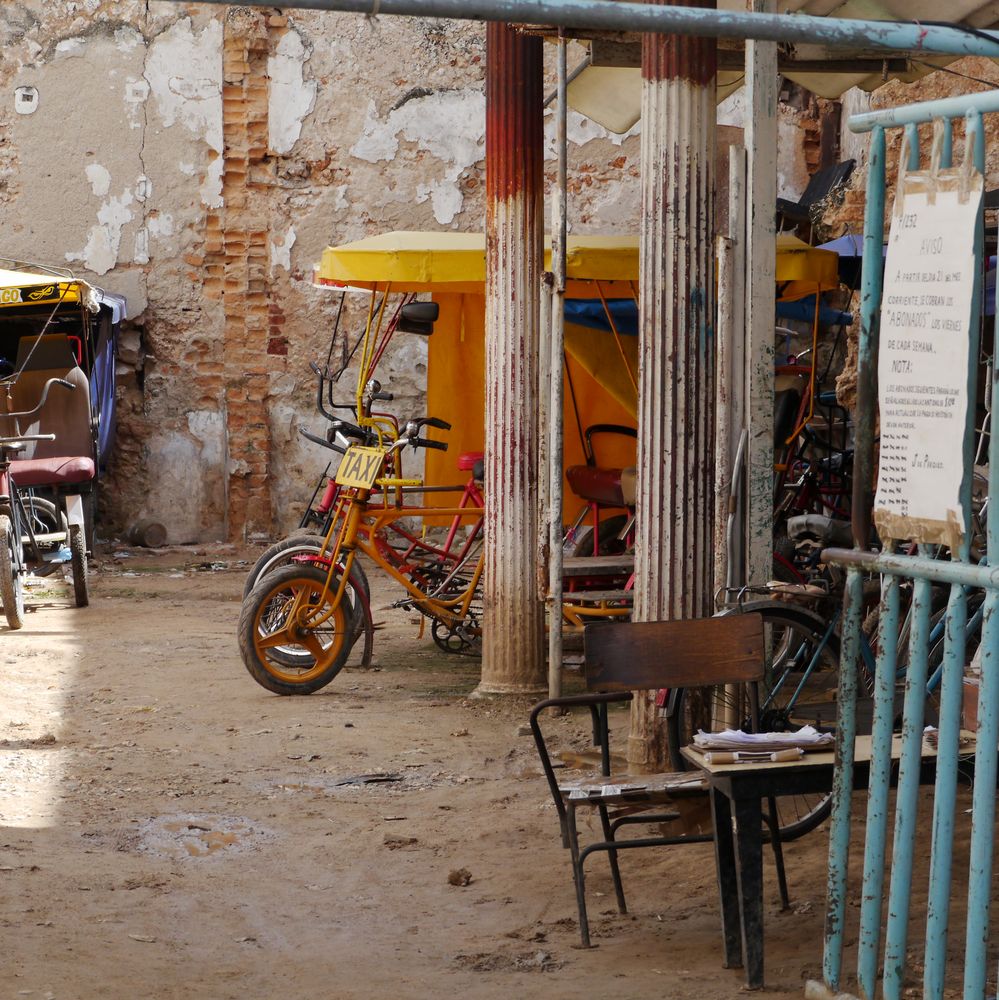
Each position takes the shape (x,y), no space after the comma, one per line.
(984,795)
(907,794)
(870,305)
(846,733)
(544,430)
(673,561)
(761,262)
(513,629)
(952,680)
(555,364)
(726,374)
(870,326)
(880,781)
(945,791)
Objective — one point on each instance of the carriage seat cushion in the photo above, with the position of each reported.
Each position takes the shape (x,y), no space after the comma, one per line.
(56,471)
(602,486)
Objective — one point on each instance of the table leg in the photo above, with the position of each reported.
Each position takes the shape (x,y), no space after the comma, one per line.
(728,889)
(748,828)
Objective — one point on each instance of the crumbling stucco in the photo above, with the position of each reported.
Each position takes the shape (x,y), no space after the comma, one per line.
(198,160)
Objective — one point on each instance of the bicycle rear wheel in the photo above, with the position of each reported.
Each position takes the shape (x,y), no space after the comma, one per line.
(11,573)
(799,688)
(284,652)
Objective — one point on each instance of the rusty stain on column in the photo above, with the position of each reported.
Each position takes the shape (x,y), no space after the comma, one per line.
(513,629)
(673,559)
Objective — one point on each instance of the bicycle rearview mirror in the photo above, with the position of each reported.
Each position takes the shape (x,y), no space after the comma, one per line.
(419,317)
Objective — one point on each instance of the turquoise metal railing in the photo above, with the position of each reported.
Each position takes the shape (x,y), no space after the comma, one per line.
(964,577)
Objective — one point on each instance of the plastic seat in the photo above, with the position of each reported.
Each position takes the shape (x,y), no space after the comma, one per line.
(467,460)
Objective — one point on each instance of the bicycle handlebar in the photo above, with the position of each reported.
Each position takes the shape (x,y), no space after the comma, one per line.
(385,397)
(322,441)
(41,402)
(20,438)
(418,442)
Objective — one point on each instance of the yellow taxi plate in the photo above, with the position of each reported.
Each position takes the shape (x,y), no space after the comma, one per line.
(360,467)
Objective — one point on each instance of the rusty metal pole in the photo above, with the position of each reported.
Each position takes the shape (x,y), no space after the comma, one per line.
(673,559)
(513,630)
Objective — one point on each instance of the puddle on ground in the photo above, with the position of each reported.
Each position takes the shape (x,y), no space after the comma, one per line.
(191,836)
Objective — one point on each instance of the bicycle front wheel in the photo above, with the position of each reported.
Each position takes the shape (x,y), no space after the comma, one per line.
(292,638)
(11,574)
(799,689)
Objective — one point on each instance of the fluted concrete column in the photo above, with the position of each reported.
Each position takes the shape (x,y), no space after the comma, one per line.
(513,629)
(673,559)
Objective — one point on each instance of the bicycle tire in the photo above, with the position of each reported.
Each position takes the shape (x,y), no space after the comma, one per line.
(283,552)
(302,664)
(608,543)
(793,634)
(11,575)
(46,519)
(78,560)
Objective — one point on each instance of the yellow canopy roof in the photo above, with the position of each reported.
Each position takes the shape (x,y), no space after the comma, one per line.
(447,261)
(29,288)
(803,269)
(455,262)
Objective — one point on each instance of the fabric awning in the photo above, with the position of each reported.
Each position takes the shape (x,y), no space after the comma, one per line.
(456,262)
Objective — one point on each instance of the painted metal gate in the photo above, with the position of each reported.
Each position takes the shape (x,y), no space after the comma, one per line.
(911,599)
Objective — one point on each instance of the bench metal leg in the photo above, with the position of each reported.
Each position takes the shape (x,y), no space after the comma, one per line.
(773,824)
(577,875)
(728,889)
(622,906)
(748,829)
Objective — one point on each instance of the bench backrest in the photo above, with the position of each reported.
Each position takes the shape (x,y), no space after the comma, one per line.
(634,656)
(66,414)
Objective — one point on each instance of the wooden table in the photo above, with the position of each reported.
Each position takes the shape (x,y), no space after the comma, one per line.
(737,793)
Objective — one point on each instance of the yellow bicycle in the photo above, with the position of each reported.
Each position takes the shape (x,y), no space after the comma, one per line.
(298,623)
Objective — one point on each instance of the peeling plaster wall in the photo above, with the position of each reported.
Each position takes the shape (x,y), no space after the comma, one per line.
(198,160)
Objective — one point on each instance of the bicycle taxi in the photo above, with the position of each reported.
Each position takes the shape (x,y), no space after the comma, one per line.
(56,331)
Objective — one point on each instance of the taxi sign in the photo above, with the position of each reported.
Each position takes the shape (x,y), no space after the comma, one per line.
(360,467)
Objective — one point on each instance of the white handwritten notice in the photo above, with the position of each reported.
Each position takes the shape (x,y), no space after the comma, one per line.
(923,361)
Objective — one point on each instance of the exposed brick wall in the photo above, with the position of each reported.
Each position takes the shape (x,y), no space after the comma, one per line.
(246,181)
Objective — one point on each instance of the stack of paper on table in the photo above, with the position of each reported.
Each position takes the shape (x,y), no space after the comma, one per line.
(738,746)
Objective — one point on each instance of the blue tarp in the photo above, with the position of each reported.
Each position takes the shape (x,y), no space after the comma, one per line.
(102,373)
(590,313)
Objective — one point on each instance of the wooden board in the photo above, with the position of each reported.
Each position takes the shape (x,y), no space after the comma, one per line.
(627,656)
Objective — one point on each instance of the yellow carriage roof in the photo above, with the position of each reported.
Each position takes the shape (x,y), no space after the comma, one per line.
(448,261)
(31,288)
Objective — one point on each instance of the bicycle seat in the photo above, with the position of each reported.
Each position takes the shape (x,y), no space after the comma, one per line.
(467,460)
(610,487)
(54,471)
(819,528)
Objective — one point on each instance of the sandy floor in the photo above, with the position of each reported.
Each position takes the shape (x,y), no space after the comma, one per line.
(170,829)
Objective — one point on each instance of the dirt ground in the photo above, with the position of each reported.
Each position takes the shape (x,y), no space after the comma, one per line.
(170,829)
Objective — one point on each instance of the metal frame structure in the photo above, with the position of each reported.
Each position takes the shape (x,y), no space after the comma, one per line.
(962,575)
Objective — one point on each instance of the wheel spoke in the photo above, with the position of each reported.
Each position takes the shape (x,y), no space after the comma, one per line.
(280,637)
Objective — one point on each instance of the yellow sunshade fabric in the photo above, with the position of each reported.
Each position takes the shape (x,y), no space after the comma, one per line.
(456,262)
(598,354)
(26,288)
(803,269)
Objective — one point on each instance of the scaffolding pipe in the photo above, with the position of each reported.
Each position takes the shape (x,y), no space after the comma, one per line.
(555,428)
(652,18)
